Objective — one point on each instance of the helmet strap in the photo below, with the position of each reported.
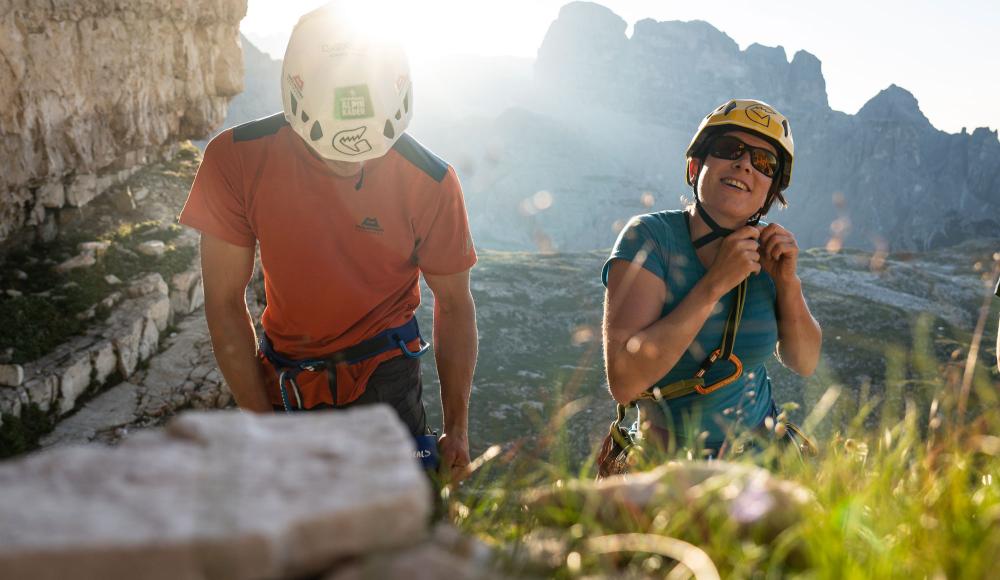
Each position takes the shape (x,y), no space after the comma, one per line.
(717,231)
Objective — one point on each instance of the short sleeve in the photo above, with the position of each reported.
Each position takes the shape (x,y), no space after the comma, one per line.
(636,243)
(444,242)
(216,204)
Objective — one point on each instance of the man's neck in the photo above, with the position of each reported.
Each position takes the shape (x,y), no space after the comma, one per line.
(344,168)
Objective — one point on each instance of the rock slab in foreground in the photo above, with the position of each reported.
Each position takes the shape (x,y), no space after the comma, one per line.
(216,495)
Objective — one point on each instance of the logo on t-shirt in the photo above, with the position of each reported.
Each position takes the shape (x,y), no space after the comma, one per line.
(370,225)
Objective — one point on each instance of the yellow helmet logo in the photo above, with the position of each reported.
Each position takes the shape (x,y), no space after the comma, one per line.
(760,114)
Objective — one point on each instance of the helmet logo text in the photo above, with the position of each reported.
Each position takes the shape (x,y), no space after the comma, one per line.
(352,103)
(352,141)
(760,114)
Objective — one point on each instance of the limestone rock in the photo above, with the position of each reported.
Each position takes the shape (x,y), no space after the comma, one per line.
(42,390)
(154,248)
(97,248)
(113,408)
(125,330)
(424,562)
(220,495)
(149,340)
(149,284)
(83,260)
(10,402)
(104,361)
(91,89)
(187,292)
(52,195)
(11,375)
(74,379)
(81,190)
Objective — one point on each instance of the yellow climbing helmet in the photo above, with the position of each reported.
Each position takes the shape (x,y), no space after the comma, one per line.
(755,117)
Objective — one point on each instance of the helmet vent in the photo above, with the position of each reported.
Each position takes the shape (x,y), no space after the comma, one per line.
(406,102)
(730,107)
(295,105)
(399,115)
(317,132)
(389,132)
(305,117)
(784,123)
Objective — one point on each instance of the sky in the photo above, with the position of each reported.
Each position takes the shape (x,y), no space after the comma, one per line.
(944,52)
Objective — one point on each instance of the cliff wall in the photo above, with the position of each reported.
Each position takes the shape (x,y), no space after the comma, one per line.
(90,90)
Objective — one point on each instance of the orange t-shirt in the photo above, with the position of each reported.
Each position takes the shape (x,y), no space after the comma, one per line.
(341,256)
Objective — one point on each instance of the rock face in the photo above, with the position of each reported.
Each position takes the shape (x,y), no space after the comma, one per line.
(217,495)
(91,90)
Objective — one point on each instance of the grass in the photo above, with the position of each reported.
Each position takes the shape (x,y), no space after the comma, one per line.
(50,301)
(20,435)
(905,486)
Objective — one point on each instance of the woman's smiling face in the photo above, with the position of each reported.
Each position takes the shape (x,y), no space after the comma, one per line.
(732,190)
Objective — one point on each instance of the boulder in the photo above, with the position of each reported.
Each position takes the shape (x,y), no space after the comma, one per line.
(216,494)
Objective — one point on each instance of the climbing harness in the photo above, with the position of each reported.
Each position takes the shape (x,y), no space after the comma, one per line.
(288,369)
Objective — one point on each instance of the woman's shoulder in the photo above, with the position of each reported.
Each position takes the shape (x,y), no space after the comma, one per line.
(661,224)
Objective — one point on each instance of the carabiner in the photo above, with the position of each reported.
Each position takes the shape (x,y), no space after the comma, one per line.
(424,347)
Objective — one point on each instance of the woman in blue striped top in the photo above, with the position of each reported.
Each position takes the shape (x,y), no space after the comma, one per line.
(673,279)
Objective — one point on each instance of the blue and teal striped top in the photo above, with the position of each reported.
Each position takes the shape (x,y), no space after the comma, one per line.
(662,243)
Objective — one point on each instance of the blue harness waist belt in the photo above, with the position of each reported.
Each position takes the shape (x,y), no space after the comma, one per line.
(385,341)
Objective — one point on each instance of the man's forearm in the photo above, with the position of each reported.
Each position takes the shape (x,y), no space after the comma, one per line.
(456,346)
(234,341)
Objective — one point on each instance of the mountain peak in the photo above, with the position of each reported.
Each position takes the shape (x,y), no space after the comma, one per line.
(586,16)
(894,104)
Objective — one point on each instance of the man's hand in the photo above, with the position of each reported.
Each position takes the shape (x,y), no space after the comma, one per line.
(779,253)
(454,448)
(455,347)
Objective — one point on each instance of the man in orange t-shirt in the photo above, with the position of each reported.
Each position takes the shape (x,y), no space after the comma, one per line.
(348,211)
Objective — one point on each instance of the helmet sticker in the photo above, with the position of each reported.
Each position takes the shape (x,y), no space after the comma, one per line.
(353,103)
(352,141)
(760,114)
(401,83)
(297,85)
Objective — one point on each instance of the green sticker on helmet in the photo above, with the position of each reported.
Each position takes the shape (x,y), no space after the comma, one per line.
(352,103)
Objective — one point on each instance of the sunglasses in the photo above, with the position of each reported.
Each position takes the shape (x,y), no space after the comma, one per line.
(731,148)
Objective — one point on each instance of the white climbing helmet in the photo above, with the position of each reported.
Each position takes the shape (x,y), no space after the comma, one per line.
(347,94)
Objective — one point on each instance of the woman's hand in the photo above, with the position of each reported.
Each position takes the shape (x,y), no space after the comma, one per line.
(779,254)
(738,257)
